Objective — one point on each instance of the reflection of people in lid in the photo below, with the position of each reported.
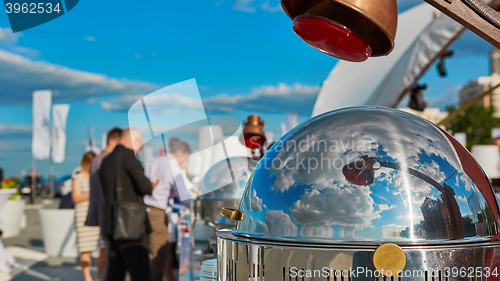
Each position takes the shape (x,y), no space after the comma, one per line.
(254,136)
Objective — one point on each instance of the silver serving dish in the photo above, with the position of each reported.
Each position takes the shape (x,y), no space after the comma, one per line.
(219,189)
(338,186)
(222,186)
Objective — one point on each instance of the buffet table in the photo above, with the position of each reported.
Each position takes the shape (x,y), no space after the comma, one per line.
(6,260)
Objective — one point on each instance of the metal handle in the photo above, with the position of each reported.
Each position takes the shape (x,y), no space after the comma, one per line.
(232,214)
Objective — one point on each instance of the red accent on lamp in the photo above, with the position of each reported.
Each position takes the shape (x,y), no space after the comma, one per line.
(331,38)
(254,142)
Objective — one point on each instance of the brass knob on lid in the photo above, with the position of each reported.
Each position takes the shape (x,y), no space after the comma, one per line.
(389,259)
(232,214)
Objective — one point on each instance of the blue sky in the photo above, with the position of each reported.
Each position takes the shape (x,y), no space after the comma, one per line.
(115,49)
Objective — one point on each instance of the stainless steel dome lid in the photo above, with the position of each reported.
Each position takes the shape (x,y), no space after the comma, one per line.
(227,178)
(369,175)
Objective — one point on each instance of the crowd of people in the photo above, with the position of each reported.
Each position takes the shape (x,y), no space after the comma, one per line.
(121,208)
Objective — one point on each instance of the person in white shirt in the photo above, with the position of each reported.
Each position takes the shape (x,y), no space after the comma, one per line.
(168,173)
(163,171)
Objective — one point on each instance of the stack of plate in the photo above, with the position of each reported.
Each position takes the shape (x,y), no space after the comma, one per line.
(209,270)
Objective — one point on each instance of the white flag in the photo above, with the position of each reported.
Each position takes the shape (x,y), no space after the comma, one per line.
(59,116)
(40,147)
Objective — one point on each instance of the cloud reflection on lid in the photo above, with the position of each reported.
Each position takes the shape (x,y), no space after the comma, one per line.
(368,175)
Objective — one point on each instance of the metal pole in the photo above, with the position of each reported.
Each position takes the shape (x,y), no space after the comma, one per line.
(192,246)
(33,181)
(466,106)
(52,177)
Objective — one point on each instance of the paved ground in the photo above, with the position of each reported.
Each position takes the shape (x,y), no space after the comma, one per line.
(32,264)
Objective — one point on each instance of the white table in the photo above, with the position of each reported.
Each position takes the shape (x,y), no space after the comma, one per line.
(6,260)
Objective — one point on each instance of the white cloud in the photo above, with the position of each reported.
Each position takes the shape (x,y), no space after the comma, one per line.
(159,103)
(9,40)
(109,106)
(281,98)
(335,205)
(254,202)
(244,6)
(261,227)
(7,37)
(274,99)
(395,226)
(392,231)
(256,226)
(385,207)
(280,223)
(90,38)
(20,76)
(317,231)
(14,128)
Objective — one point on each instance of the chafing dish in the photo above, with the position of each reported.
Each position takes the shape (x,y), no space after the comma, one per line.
(219,189)
(366,189)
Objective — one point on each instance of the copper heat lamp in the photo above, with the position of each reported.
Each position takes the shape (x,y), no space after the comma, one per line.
(351,30)
(355,30)
(253,132)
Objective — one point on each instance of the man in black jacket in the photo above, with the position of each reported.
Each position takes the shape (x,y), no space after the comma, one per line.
(130,256)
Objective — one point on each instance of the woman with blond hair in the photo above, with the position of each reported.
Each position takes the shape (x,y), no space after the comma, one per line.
(87,236)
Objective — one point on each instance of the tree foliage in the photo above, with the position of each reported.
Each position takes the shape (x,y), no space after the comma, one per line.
(476,122)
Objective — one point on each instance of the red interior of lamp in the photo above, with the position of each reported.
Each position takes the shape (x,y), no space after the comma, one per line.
(331,38)
(254,142)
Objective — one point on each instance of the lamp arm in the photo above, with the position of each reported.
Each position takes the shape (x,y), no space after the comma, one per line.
(455,225)
(474,15)
(415,173)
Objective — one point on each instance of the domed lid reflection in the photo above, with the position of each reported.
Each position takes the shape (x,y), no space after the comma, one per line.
(227,179)
(369,175)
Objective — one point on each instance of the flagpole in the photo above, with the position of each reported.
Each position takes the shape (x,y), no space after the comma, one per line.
(52,177)
(33,181)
